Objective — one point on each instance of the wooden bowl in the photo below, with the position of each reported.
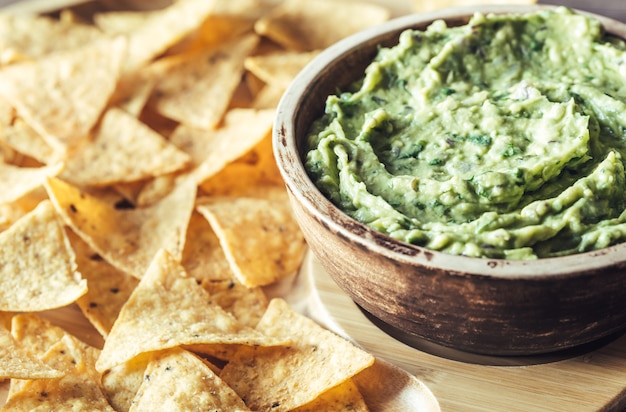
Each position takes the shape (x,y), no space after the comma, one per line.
(487,306)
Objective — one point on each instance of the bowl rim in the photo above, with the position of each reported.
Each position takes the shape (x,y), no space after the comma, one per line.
(305,192)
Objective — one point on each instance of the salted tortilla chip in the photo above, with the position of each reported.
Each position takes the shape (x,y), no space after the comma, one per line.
(174,375)
(211,150)
(126,238)
(16,182)
(78,390)
(164,28)
(124,21)
(305,25)
(256,168)
(37,264)
(35,332)
(203,257)
(261,239)
(279,69)
(108,287)
(195,88)
(62,95)
(343,397)
(17,134)
(169,309)
(268,97)
(246,304)
(316,357)
(122,149)
(18,363)
(25,36)
(122,381)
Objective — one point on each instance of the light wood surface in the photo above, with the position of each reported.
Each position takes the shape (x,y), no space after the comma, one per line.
(590,381)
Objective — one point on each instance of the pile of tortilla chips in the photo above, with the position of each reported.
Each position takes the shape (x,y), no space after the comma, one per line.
(137,183)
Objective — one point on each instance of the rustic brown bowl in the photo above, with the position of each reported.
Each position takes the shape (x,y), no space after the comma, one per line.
(487,306)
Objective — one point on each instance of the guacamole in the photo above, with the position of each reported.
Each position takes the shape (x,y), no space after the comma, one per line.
(502,138)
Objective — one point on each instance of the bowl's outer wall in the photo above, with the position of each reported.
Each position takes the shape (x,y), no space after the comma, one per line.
(407,288)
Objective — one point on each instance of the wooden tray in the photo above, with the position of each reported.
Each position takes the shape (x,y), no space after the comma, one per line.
(586,379)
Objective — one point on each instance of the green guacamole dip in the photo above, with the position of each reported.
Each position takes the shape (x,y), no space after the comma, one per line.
(503,138)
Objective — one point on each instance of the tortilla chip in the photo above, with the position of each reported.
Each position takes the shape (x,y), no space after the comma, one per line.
(124,21)
(164,28)
(25,36)
(121,383)
(108,287)
(261,239)
(172,375)
(343,397)
(16,182)
(316,357)
(17,362)
(17,134)
(37,264)
(195,89)
(246,304)
(279,69)
(126,238)
(306,25)
(78,390)
(122,149)
(268,97)
(169,309)
(255,169)
(211,150)
(203,257)
(62,95)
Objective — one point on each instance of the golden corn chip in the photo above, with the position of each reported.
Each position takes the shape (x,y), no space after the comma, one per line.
(269,96)
(124,21)
(306,25)
(108,287)
(243,131)
(176,374)
(78,390)
(279,69)
(17,134)
(203,257)
(122,149)
(121,383)
(16,182)
(25,36)
(261,239)
(162,29)
(316,356)
(126,238)
(195,89)
(169,309)
(343,397)
(62,95)
(246,304)
(17,362)
(38,268)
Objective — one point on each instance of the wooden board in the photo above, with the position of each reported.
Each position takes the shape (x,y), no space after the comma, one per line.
(591,380)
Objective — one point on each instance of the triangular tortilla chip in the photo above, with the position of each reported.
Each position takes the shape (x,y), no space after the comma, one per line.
(122,149)
(296,24)
(78,390)
(203,257)
(17,362)
(343,397)
(174,375)
(246,304)
(169,309)
(195,89)
(317,356)
(37,264)
(24,36)
(62,95)
(126,238)
(109,288)
(122,381)
(164,28)
(16,182)
(211,150)
(261,239)
(279,69)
